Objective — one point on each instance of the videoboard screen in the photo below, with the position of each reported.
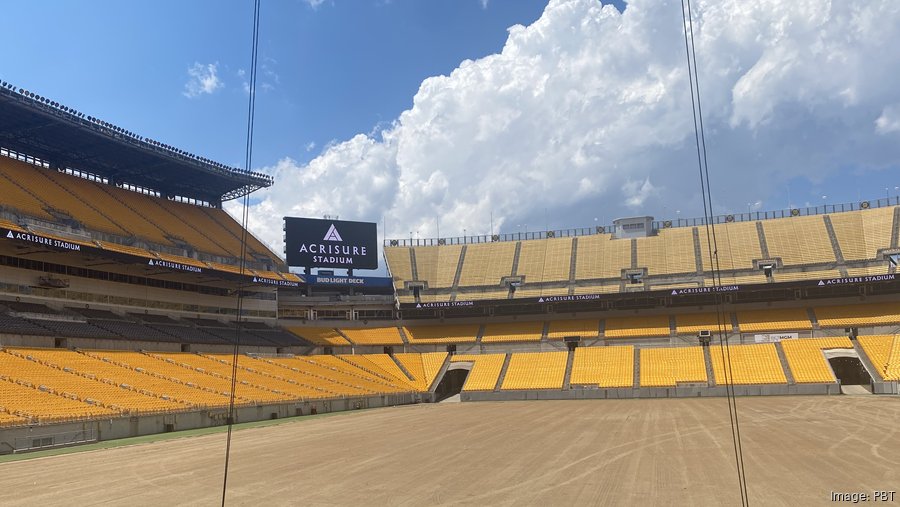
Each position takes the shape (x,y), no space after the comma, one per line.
(322,243)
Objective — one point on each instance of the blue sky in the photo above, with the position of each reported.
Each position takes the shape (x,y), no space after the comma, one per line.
(327,73)
(402,111)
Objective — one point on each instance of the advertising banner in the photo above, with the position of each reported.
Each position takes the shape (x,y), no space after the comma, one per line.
(357,281)
(774,337)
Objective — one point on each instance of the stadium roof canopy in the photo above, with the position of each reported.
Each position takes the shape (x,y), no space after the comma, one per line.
(37,127)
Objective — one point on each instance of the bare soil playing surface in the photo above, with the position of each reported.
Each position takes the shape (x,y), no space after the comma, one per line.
(797,450)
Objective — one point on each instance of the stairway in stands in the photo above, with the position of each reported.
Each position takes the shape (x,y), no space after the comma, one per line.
(146,216)
(568,375)
(516,254)
(710,374)
(502,375)
(402,368)
(252,240)
(458,273)
(412,264)
(637,367)
(788,374)
(200,233)
(573,266)
(835,245)
(124,230)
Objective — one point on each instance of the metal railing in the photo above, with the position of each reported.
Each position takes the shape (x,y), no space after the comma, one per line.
(752,216)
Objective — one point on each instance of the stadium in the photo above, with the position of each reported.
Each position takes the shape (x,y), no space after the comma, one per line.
(140,321)
(118,315)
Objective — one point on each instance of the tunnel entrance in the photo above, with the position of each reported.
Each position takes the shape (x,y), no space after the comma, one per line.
(850,371)
(451,384)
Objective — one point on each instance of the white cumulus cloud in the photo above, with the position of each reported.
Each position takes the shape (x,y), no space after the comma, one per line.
(889,121)
(587,106)
(637,192)
(202,80)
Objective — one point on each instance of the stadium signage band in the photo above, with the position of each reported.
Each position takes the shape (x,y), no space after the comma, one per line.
(175,265)
(445,304)
(857,279)
(706,290)
(277,283)
(42,240)
(655,293)
(577,297)
(311,242)
(127,257)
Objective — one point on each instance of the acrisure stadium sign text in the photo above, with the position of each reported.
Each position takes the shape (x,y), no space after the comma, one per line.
(311,242)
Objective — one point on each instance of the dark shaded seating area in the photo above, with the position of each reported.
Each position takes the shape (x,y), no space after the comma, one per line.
(105,324)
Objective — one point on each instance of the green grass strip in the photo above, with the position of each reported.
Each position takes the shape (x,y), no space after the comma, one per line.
(159,437)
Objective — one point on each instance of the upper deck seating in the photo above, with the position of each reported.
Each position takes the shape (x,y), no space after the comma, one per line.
(513,332)
(452,333)
(774,319)
(54,196)
(869,314)
(637,327)
(374,336)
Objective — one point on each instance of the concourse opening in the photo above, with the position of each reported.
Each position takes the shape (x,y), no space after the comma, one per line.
(850,371)
(451,384)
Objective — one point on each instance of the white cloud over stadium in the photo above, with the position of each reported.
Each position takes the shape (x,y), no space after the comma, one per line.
(202,80)
(586,114)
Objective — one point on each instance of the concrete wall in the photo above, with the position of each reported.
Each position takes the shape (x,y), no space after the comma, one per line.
(123,427)
(651,392)
(892,387)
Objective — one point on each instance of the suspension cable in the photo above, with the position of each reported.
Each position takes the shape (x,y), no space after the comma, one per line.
(712,247)
(248,160)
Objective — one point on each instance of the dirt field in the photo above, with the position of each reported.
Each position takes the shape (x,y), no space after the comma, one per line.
(611,452)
